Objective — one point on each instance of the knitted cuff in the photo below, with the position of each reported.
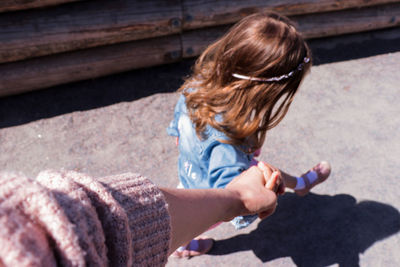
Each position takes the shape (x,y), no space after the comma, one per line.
(148,217)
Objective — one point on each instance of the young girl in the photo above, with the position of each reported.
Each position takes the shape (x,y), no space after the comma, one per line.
(241,87)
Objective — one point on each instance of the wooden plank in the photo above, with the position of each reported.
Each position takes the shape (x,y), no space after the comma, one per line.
(35,33)
(13,5)
(205,13)
(349,21)
(311,25)
(194,42)
(38,73)
(56,69)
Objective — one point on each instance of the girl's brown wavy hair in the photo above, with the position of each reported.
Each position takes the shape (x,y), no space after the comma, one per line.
(260,45)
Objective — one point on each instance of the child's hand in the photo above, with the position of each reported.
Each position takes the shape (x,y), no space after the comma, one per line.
(275,184)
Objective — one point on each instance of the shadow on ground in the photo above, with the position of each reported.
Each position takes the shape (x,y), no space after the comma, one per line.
(317,230)
(129,86)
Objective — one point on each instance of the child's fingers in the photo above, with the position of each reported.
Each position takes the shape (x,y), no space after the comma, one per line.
(271,183)
(265,169)
(262,166)
(273,180)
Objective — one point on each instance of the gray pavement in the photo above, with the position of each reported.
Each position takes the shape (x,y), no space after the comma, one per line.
(346,112)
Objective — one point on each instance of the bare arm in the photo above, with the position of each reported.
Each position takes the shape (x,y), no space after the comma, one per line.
(193,211)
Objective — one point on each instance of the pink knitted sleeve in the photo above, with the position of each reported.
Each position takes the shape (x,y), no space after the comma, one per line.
(148,217)
(70,219)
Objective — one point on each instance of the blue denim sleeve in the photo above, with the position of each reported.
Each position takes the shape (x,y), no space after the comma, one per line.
(173,125)
(227,162)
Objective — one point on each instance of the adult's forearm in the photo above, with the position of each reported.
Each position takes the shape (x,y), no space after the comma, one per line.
(193,211)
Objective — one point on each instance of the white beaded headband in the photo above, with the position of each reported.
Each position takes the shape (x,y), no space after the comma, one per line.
(274,79)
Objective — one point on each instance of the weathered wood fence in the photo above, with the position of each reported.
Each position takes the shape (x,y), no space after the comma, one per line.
(49,42)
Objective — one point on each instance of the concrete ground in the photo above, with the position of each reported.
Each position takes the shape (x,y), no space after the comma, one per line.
(347,112)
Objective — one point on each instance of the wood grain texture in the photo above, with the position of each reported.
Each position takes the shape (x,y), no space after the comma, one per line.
(35,33)
(98,43)
(205,13)
(82,25)
(37,73)
(349,21)
(311,26)
(13,5)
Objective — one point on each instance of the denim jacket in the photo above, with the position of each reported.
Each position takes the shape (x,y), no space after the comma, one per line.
(206,163)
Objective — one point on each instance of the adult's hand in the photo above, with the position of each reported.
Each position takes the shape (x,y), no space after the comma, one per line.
(255,189)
